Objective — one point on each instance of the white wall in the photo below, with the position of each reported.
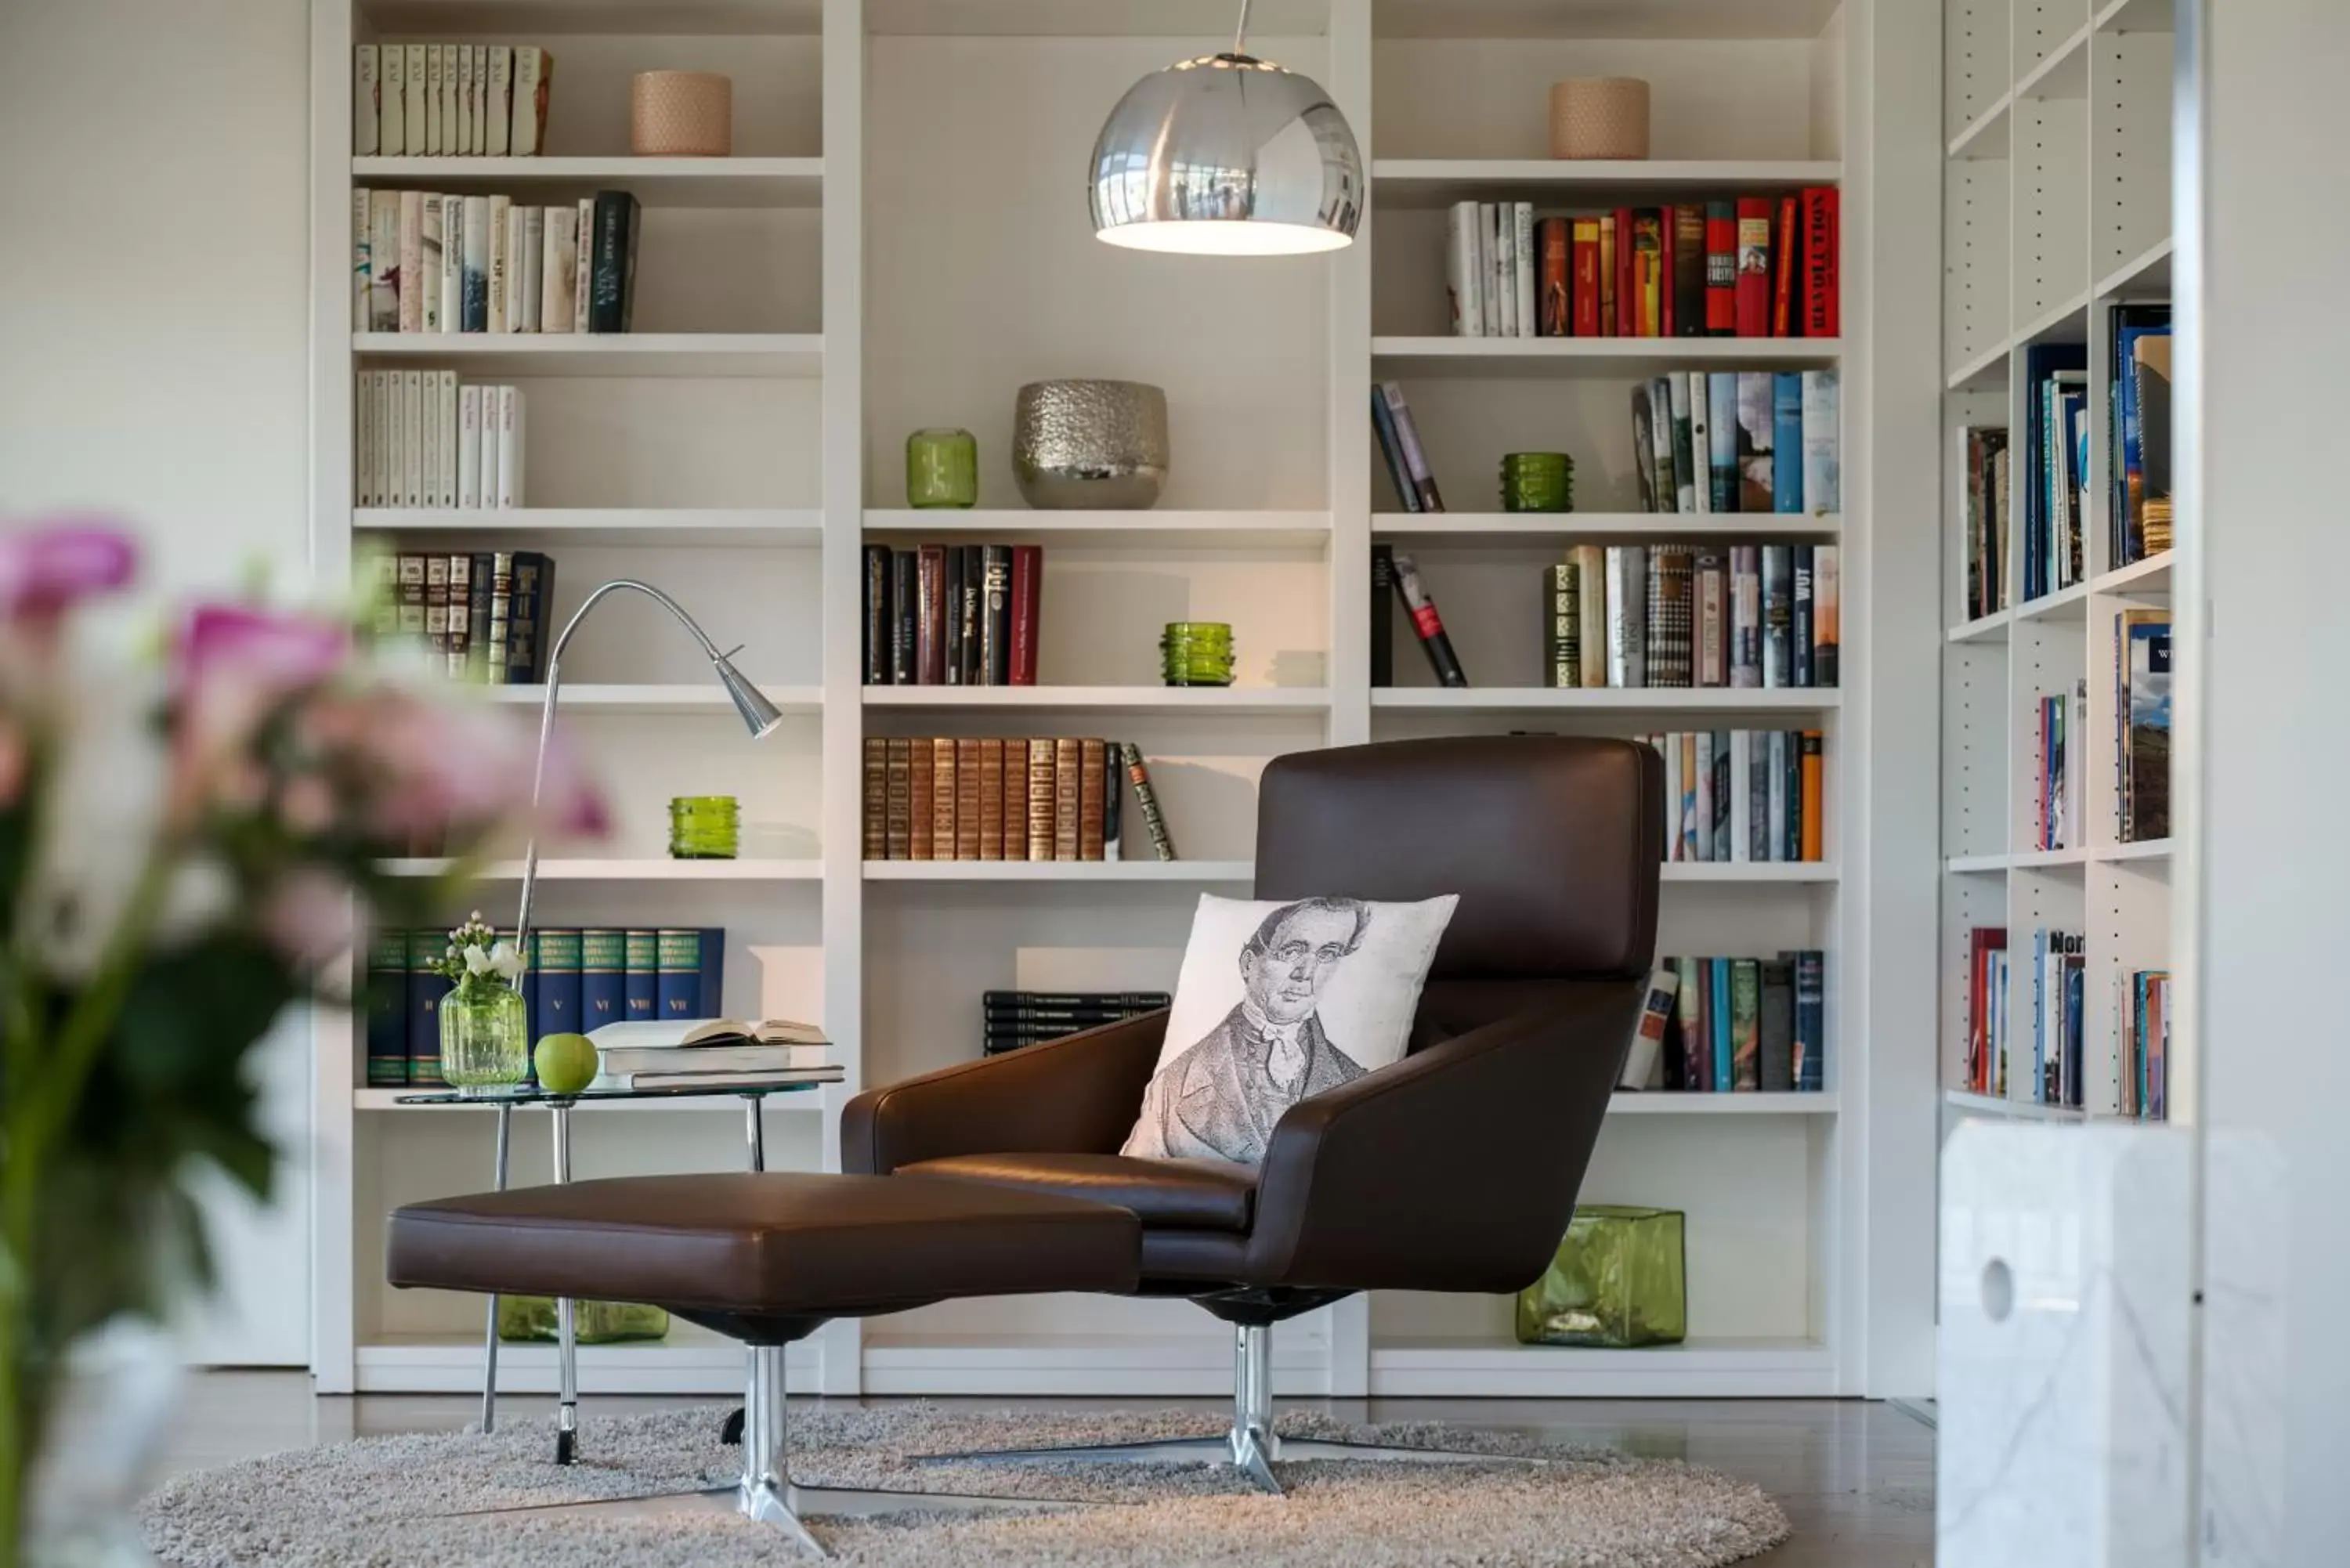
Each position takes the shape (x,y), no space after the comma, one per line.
(2274,917)
(153,160)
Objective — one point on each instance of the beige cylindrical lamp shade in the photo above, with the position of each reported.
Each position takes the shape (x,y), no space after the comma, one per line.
(1599,117)
(682,114)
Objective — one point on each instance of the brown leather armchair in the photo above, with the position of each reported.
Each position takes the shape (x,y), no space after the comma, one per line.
(1455,1169)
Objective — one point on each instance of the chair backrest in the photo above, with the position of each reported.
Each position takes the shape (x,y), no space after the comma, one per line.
(1551,841)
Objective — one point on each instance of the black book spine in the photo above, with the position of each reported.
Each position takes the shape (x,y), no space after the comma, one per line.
(1382,616)
(1142,1001)
(1799,653)
(970,611)
(904,571)
(958,629)
(477,615)
(1080,1015)
(533,589)
(1428,624)
(995,614)
(878,619)
(1146,800)
(615,261)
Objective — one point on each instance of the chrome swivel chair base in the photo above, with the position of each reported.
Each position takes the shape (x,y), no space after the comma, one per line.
(1252,1447)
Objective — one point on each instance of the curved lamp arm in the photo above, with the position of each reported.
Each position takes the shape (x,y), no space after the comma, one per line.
(759,715)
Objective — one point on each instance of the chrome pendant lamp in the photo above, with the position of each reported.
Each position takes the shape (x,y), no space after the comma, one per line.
(1227,155)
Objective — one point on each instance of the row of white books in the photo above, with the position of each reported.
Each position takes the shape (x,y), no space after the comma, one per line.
(425,441)
(424,262)
(450,100)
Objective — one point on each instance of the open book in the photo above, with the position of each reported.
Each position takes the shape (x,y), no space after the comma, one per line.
(709,1044)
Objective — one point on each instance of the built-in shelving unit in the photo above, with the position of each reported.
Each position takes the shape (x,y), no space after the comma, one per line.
(2056,208)
(797,316)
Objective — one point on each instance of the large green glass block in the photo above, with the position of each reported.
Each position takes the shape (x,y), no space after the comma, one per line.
(595,1323)
(1621,1280)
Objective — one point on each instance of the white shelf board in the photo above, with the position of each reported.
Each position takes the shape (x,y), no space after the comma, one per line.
(1606,699)
(1662,1104)
(1981,372)
(2067,323)
(1172,529)
(2065,603)
(1594,356)
(1991,628)
(656,181)
(1749,871)
(482,19)
(618,870)
(798,1101)
(661,527)
(1721,1368)
(1971,1104)
(2064,73)
(2137,16)
(618,697)
(2147,276)
(2148,578)
(1225,700)
(1061,871)
(1501,526)
(2017,860)
(1710,20)
(1985,137)
(1440,181)
(679,354)
(2145,849)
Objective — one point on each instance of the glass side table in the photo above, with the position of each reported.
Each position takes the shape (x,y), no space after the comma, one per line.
(559,1106)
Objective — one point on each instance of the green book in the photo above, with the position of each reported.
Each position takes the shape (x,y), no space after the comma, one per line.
(386,1011)
(426,986)
(1746,1023)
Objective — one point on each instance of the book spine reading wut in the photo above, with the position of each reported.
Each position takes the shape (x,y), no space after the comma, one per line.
(1428,623)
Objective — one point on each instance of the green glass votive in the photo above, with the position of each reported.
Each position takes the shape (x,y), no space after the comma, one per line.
(1621,1280)
(942,469)
(704,828)
(531,1319)
(1196,653)
(1537,481)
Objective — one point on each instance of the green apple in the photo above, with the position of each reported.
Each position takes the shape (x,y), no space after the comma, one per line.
(566,1063)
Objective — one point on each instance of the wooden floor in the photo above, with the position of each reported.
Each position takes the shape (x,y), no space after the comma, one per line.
(1856,1479)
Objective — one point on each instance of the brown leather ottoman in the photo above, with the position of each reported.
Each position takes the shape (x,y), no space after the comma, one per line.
(767,1259)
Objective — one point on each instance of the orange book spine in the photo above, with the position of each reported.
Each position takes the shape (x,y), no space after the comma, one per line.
(942,799)
(967,759)
(922,781)
(1014,804)
(990,800)
(1813,764)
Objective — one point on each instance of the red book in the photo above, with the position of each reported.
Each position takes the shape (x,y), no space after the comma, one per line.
(1782,272)
(1822,236)
(1551,243)
(1721,269)
(1672,270)
(931,616)
(1753,266)
(1626,316)
(1587,277)
(1028,591)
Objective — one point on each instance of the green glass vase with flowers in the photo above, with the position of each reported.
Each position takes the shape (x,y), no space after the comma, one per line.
(485,1027)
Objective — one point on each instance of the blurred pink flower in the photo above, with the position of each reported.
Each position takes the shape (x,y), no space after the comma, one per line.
(462,761)
(233,665)
(44,569)
(310,915)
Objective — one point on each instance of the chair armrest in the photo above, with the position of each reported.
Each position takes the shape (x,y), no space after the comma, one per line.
(1074,1095)
(1456,1169)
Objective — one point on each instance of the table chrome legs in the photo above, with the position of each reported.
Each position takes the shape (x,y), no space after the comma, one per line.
(566,1352)
(752,1104)
(490,1333)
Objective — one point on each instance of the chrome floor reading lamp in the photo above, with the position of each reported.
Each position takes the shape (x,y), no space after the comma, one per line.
(760,717)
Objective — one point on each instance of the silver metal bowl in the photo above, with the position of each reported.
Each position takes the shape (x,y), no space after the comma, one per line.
(1080,445)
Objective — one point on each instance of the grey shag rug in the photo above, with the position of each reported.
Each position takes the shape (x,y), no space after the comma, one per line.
(387,1502)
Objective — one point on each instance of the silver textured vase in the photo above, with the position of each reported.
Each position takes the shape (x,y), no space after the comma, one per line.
(1090,445)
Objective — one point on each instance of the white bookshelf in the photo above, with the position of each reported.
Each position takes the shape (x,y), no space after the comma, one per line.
(796,317)
(2058,207)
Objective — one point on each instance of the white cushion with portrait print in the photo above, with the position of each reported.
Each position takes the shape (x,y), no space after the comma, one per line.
(1279,999)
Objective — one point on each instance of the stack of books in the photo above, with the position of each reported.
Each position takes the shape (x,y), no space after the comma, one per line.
(2142,708)
(578,978)
(425,262)
(1749,266)
(2138,430)
(1011,1019)
(1743,442)
(952,615)
(1986,1020)
(2061,723)
(483,614)
(426,442)
(2055,466)
(1735,796)
(1039,797)
(710,1053)
(450,100)
(1982,458)
(1733,1026)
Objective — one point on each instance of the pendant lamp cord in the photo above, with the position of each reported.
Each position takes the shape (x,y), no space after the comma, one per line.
(1239,34)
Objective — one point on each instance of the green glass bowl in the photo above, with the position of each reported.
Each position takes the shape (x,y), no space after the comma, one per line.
(1537,481)
(530,1319)
(1196,653)
(704,828)
(942,469)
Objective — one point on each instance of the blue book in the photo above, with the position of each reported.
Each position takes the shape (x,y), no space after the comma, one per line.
(678,981)
(640,984)
(386,1011)
(713,973)
(1787,442)
(426,986)
(603,959)
(2074,998)
(2040,1015)
(555,955)
(1383,426)
(1717,1015)
(1811,1017)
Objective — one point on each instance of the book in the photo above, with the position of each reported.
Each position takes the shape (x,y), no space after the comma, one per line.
(611,296)
(526,269)
(1822,482)
(426,988)
(1586,293)
(2143,659)
(469,100)
(1643,448)
(664,1044)
(1415,459)
(557,302)
(1745,1023)
(1391,452)
(532,597)
(876,636)
(362,258)
(1721,269)
(1775,1026)
(437,141)
(1091,775)
(1756,430)
(1146,801)
(366,105)
(1787,437)
(2149,504)
(554,959)
(1620,309)
(1067,759)
(1562,627)
(875,838)
(510,446)
(451,313)
(1783,271)
(498,310)
(1696,1056)
(1026,612)
(680,1081)
(497,102)
(994,604)
(956,630)
(905,595)
(1043,797)
(1677,392)
(1502,276)
(1426,622)
(1463,271)
(1799,615)
(1753,305)
(474,265)
(1688,271)
(387,1006)
(1710,617)
(1722,471)
(409,286)
(415,129)
(1554,248)
(1382,616)
(1810,972)
(1700,467)
(1826,612)
(459,643)
(430,263)
(1590,564)
(1811,823)
(1721,1069)
(990,802)
(1669,623)
(917,782)
(1648,283)
(533,78)
(938,758)
(1641,1061)
(603,987)
(583,262)
(931,614)
(678,979)
(1823,241)
(1628,573)
(411,446)
(1661,437)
